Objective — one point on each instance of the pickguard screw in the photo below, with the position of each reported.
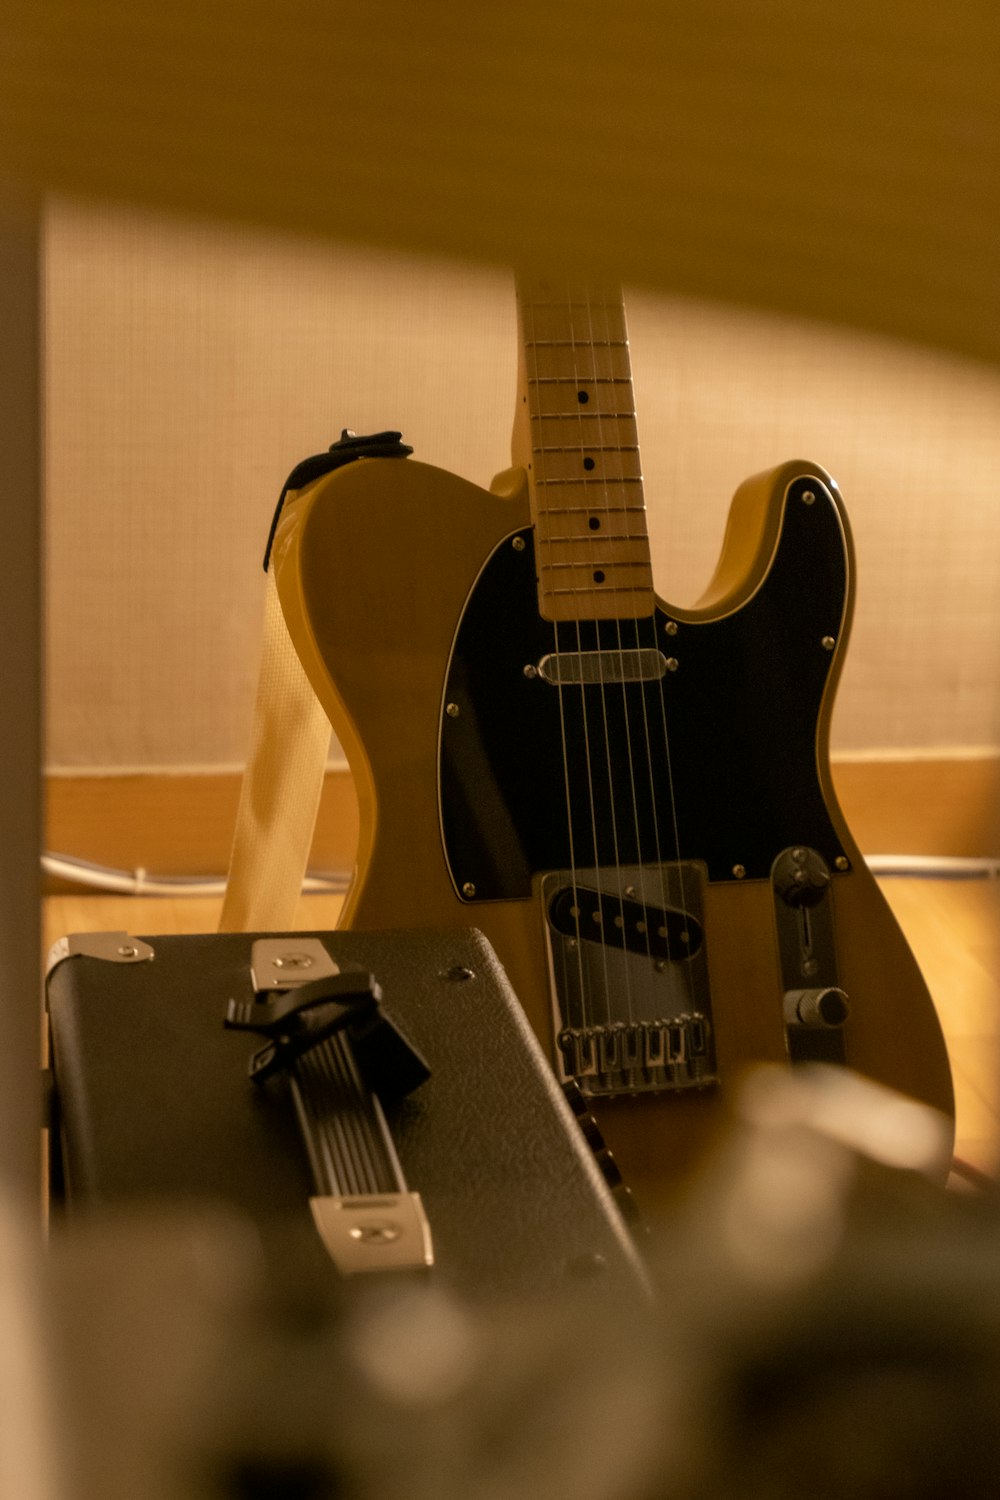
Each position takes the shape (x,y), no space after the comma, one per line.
(127,950)
(468,889)
(829,642)
(459,974)
(740,871)
(630,890)
(808,497)
(842,862)
(518,544)
(452,710)
(660,966)
(672,664)
(671,627)
(530,670)
(810,967)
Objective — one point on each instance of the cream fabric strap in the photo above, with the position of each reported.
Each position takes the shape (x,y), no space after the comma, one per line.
(279,798)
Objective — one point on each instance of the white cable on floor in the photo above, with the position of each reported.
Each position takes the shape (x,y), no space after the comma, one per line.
(936,866)
(140,883)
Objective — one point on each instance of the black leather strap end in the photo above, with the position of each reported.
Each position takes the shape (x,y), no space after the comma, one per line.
(348,447)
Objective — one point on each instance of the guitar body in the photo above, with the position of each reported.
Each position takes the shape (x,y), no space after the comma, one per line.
(410,596)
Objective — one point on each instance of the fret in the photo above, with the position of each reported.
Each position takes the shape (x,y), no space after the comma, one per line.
(586,447)
(595,479)
(623,414)
(549,399)
(594,611)
(569,435)
(606,556)
(571,300)
(605,601)
(571,362)
(584,322)
(604,568)
(604,538)
(585,424)
(571,465)
(582,344)
(595,524)
(582,378)
(586,510)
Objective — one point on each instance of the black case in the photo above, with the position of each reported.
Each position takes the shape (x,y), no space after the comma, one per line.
(152,1104)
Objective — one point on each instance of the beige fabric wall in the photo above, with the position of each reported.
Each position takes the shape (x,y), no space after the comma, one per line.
(189,366)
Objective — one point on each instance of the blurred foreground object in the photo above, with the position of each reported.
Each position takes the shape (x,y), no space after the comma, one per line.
(187,1374)
(840,1313)
(29,1457)
(829,1325)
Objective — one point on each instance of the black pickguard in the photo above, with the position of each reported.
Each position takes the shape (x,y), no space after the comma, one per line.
(715,761)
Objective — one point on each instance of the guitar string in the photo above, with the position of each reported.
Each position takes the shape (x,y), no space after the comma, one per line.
(541,459)
(588,1004)
(649,628)
(642,738)
(647,733)
(527,304)
(660,863)
(600,541)
(684,873)
(642,735)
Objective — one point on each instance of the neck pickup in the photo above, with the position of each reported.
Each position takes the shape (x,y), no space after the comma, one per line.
(603,668)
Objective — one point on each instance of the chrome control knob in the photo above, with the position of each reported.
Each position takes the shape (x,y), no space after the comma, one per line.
(826,1007)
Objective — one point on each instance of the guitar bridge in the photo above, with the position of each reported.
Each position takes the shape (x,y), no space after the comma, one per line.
(629,979)
(640,1057)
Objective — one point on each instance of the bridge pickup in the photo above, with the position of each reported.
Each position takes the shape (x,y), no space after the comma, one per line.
(628,970)
(622,922)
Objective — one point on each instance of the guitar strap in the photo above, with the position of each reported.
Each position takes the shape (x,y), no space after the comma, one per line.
(289,743)
(279,795)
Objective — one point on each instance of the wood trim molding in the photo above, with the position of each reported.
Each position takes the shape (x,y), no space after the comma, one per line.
(946,806)
(182,824)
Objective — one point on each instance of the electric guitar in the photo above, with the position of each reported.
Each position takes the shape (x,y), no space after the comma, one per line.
(632,801)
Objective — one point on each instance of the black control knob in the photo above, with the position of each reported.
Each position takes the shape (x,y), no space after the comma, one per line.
(801,876)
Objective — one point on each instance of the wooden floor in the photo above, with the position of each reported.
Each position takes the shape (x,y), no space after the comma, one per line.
(953,927)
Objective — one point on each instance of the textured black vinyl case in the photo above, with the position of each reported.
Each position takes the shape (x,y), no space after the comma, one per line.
(152,1104)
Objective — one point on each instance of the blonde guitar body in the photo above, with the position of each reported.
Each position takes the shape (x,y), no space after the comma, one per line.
(382,565)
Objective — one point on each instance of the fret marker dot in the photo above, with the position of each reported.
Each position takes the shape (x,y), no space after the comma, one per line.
(588,463)
(598,576)
(594,523)
(582,397)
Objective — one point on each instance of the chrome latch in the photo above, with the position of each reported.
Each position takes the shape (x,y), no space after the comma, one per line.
(286,963)
(110,947)
(384,1232)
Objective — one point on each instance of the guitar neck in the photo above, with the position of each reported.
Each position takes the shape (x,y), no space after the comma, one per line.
(577,438)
